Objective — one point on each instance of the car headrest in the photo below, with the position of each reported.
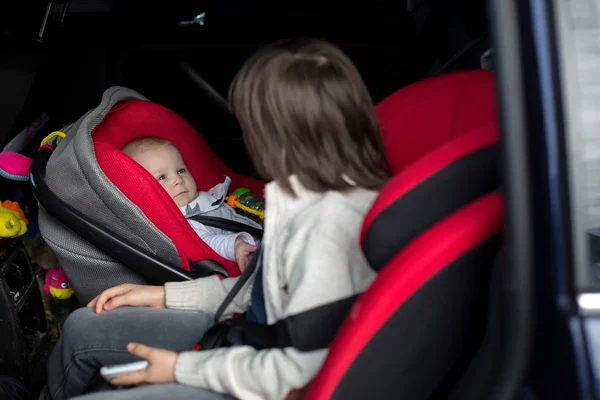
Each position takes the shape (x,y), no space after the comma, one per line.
(131,119)
(423,116)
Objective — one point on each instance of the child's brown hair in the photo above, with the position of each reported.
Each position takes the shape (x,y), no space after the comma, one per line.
(305,111)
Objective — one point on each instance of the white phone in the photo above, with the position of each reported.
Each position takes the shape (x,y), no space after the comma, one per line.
(110,372)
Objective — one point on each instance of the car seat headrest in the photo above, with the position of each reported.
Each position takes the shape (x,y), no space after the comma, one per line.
(132,119)
(423,116)
(429,190)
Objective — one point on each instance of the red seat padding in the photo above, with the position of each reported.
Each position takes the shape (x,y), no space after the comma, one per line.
(428,190)
(462,241)
(131,119)
(420,117)
(136,118)
(432,234)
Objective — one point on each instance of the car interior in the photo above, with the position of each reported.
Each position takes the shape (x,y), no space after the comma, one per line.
(436,322)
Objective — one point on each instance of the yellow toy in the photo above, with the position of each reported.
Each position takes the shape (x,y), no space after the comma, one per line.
(57,284)
(12,220)
(248,203)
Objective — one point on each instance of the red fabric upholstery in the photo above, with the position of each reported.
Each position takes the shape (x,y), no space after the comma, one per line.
(426,167)
(415,264)
(402,277)
(427,127)
(427,114)
(135,118)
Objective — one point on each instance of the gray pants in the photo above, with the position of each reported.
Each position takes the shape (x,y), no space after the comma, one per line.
(90,341)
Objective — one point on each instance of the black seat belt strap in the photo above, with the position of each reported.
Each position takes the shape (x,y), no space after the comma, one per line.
(226,224)
(203,268)
(310,330)
(313,329)
(250,268)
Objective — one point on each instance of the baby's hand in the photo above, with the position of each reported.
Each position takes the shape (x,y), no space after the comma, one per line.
(243,251)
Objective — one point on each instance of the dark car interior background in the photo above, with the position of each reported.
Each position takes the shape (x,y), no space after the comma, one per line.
(58,57)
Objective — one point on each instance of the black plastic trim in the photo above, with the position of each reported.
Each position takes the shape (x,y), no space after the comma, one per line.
(513,362)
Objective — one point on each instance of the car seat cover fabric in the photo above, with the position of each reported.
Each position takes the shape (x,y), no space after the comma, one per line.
(426,167)
(136,118)
(156,205)
(441,140)
(89,175)
(428,190)
(418,118)
(74,174)
(131,119)
(403,275)
(416,261)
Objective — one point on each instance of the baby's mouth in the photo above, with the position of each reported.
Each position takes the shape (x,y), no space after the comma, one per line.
(179,194)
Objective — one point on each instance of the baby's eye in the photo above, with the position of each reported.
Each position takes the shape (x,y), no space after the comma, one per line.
(181,171)
(161,177)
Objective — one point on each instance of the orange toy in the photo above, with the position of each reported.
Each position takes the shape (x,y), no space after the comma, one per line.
(12,219)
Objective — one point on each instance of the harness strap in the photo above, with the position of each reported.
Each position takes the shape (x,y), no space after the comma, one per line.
(226,224)
(313,329)
(310,330)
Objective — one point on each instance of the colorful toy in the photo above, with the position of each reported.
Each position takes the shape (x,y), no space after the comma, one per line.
(247,202)
(14,166)
(12,220)
(57,284)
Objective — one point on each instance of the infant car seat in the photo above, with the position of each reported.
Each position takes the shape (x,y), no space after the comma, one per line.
(108,220)
(432,235)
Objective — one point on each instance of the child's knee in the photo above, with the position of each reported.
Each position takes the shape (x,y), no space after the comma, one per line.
(80,322)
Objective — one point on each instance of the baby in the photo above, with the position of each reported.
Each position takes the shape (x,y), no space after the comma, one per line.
(162,159)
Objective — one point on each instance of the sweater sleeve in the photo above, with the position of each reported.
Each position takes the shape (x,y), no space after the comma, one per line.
(320,275)
(207,294)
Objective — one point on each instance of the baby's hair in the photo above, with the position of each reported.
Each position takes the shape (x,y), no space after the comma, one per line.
(304,110)
(144,143)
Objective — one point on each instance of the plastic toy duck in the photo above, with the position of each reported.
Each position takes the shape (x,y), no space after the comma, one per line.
(57,284)
(12,219)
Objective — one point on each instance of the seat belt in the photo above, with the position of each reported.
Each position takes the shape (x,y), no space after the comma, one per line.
(204,268)
(250,268)
(227,224)
(310,330)
(313,329)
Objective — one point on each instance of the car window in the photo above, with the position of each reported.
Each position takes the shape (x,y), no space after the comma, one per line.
(578,34)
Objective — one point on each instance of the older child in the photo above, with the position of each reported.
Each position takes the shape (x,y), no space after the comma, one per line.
(309,127)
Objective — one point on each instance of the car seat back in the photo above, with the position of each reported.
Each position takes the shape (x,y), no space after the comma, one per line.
(88,172)
(432,234)
(420,117)
(132,119)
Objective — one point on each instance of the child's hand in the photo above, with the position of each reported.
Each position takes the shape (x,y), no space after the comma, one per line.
(129,295)
(161,368)
(243,251)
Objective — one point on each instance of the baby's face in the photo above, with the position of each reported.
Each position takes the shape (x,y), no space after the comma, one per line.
(166,165)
